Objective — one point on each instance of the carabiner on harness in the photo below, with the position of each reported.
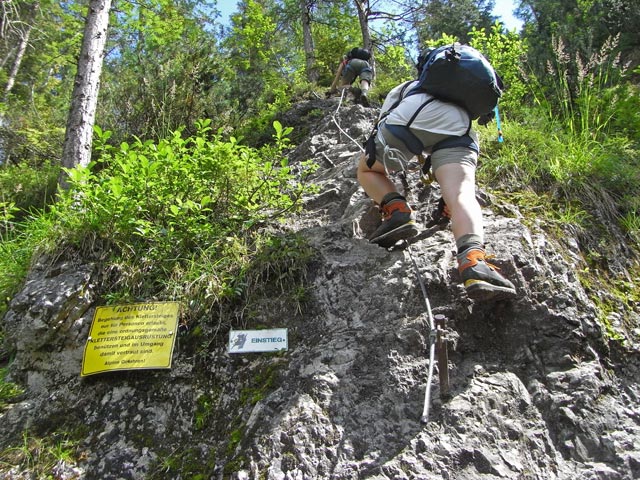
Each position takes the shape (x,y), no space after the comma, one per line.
(391,154)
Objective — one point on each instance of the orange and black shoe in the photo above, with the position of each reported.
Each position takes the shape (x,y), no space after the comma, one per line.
(397,222)
(480,278)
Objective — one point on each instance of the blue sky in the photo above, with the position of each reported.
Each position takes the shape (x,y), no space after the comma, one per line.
(503,9)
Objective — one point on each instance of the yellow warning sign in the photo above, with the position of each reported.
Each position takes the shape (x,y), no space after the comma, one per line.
(128,337)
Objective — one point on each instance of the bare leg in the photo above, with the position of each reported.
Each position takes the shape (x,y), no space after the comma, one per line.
(398,223)
(374,180)
(457,183)
(480,278)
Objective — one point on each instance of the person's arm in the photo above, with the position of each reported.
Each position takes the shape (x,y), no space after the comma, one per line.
(338,74)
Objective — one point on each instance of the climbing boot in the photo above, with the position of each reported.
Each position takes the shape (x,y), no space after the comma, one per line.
(480,278)
(397,223)
(364,99)
(440,214)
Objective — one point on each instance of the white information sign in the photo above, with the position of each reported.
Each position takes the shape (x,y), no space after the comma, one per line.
(247,341)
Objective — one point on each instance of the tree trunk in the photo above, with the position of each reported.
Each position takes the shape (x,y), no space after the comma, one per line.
(22,47)
(84,99)
(25,34)
(363,9)
(309,49)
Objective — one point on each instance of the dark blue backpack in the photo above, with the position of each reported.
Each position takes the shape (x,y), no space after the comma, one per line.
(460,74)
(361,53)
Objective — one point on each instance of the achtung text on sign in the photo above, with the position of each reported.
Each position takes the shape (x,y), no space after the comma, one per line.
(126,337)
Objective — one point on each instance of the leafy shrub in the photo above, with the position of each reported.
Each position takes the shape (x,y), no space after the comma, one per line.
(506,51)
(27,187)
(393,67)
(180,217)
(18,241)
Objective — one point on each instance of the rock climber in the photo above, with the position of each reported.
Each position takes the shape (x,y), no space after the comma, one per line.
(443,131)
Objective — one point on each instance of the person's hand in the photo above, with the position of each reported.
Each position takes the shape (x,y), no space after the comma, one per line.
(370,147)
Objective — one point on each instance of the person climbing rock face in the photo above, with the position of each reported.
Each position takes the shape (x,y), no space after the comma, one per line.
(355,64)
(416,124)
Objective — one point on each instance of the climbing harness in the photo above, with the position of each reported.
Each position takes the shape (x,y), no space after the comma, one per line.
(436,326)
(391,154)
(426,173)
(396,155)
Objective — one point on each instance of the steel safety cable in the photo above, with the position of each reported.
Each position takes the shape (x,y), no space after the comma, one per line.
(432,337)
(333,117)
(393,153)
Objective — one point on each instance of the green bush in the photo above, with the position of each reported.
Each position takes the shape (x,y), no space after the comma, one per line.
(180,218)
(506,51)
(579,140)
(27,187)
(18,241)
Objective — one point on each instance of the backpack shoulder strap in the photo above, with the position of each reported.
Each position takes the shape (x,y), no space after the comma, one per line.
(401,97)
(419,109)
(404,88)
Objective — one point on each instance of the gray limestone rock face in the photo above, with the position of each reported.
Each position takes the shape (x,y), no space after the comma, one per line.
(535,390)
